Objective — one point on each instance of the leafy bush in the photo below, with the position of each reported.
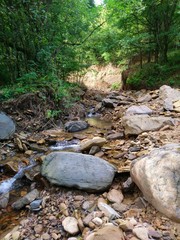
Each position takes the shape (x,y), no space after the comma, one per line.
(154,75)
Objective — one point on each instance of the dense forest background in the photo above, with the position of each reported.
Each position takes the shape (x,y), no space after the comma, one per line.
(42,42)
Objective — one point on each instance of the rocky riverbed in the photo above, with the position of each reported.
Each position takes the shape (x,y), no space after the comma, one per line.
(129,129)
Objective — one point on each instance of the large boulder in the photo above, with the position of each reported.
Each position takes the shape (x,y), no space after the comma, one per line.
(78,170)
(158,177)
(76,126)
(136,124)
(7,126)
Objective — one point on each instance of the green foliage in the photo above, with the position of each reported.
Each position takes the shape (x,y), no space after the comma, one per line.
(116,86)
(154,75)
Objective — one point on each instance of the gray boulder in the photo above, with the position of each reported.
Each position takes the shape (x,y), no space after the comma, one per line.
(138,110)
(7,126)
(136,124)
(76,126)
(158,177)
(78,170)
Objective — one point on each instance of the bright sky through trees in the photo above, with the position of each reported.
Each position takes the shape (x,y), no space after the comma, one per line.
(98,2)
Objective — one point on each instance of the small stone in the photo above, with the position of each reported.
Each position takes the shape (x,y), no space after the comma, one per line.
(141,233)
(115,196)
(120,207)
(108,211)
(54,236)
(38,228)
(87,205)
(15,235)
(78,198)
(70,225)
(46,236)
(98,221)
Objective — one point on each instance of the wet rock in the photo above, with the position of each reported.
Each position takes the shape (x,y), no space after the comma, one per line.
(96,141)
(35,205)
(28,198)
(108,211)
(7,126)
(76,126)
(70,224)
(115,196)
(106,233)
(158,177)
(137,124)
(138,110)
(78,170)
(4,199)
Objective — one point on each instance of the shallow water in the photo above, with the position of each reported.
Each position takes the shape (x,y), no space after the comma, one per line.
(95,121)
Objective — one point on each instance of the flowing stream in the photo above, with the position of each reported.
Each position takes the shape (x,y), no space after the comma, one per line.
(8,184)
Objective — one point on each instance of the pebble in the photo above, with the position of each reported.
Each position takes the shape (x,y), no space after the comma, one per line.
(141,233)
(115,196)
(38,228)
(46,236)
(98,221)
(70,225)
(108,211)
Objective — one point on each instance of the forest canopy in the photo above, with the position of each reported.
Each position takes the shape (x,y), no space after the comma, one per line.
(49,39)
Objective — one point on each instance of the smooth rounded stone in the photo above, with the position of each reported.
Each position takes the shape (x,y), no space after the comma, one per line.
(106,233)
(78,170)
(70,225)
(168,104)
(137,124)
(115,196)
(98,221)
(28,198)
(158,177)
(76,126)
(141,232)
(35,205)
(142,109)
(7,126)
(96,141)
(4,199)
